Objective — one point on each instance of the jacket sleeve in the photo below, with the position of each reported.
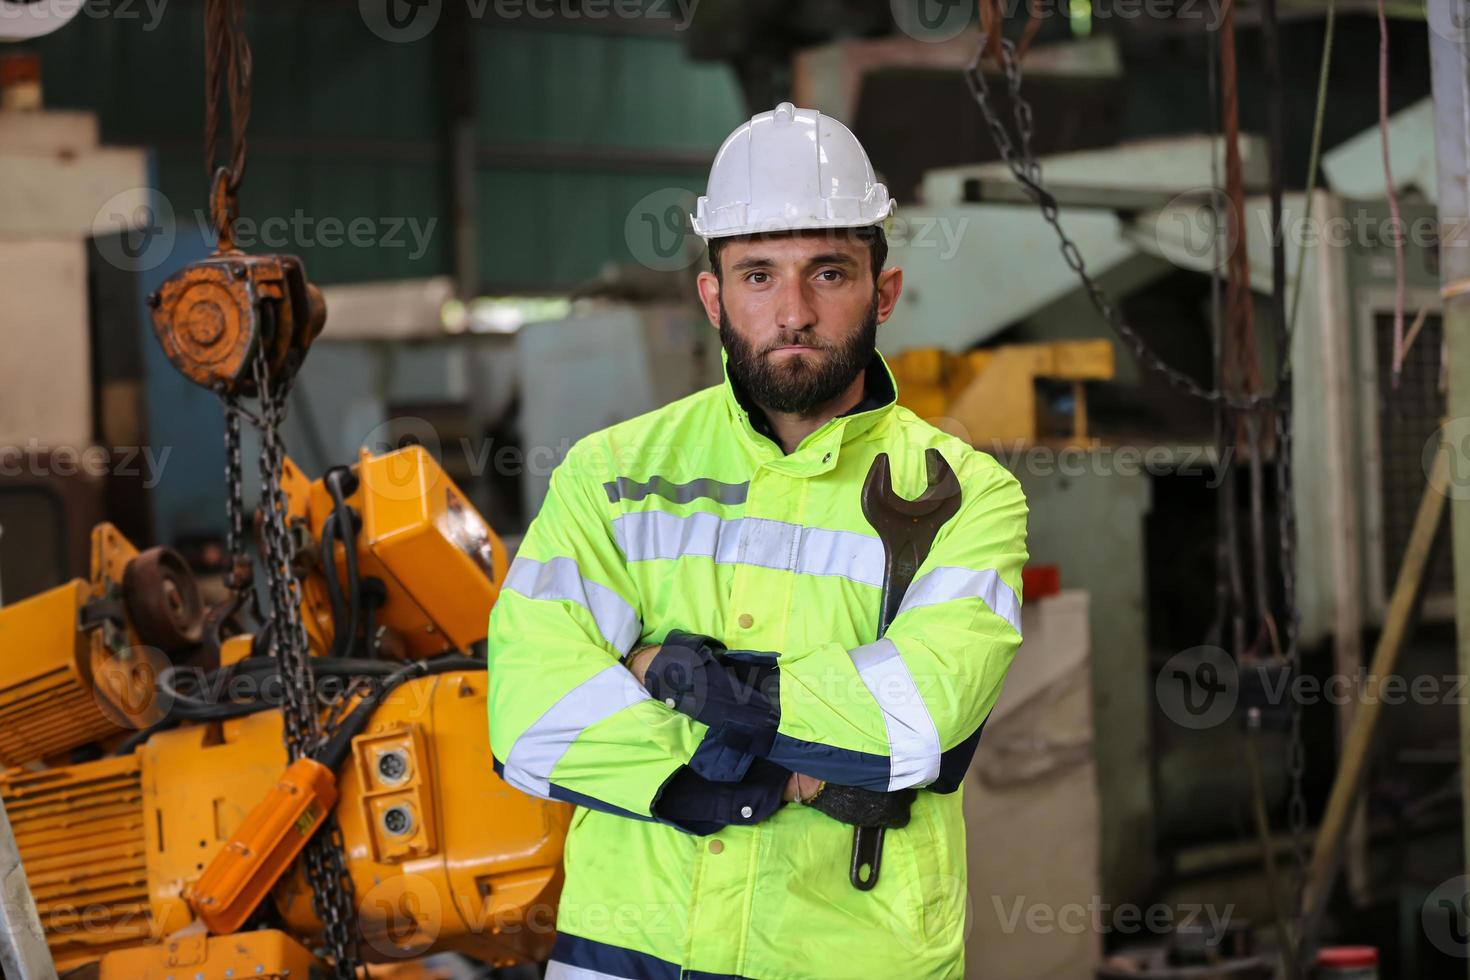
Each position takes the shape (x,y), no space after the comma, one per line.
(903,711)
(567,719)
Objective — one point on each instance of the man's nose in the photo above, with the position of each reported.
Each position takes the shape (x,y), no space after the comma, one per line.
(794,310)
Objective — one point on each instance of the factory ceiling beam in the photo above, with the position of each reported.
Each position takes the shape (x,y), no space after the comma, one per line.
(456,61)
(561,156)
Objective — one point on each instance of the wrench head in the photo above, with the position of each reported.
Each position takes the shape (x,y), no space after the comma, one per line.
(884,508)
(907,528)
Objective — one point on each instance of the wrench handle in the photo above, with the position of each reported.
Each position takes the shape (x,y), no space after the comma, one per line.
(867,854)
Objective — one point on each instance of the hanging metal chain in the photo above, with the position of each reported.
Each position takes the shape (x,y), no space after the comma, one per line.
(1296,752)
(331,885)
(288,634)
(335,906)
(1027,171)
(238,577)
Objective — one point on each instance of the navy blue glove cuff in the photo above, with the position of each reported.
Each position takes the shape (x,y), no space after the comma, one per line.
(698,806)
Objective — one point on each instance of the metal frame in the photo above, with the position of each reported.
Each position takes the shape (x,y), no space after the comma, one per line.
(1368,304)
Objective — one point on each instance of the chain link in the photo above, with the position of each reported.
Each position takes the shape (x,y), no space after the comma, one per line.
(1296,753)
(234,486)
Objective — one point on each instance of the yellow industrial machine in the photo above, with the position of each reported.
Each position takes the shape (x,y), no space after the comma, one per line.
(988,397)
(182,739)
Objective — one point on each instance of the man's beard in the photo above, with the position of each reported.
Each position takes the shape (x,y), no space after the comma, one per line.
(798,387)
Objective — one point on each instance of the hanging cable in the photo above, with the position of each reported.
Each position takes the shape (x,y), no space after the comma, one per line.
(1229,586)
(1314,162)
(1393,199)
(341,525)
(1294,948)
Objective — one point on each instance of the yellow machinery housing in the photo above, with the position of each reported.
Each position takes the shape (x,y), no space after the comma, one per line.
(988,397)
(444,856)
(76,670)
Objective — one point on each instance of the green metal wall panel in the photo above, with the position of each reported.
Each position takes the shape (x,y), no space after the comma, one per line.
(582,88)
(543,229)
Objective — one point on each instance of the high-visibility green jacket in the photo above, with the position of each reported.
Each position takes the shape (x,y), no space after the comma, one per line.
(690,519)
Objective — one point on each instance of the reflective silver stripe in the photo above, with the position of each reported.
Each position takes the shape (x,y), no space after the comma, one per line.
(951,582)
(812,550)
(535,754)
(561,579)
(655,535)
(913,739)
(565,971)
(624,488)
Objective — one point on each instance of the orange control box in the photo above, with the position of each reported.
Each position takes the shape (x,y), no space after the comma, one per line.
(246,868)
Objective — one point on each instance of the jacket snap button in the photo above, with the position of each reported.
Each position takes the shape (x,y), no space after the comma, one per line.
(716,846)
(746,621)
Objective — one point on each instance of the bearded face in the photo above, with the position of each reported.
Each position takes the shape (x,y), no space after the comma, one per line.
(798,371)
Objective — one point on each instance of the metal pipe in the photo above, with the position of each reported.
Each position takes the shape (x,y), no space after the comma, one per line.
(1356,750)
(24,954)
(1268,853)
(1450,74)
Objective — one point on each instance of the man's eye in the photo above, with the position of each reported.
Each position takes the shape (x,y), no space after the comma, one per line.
(757,277)
(830,275)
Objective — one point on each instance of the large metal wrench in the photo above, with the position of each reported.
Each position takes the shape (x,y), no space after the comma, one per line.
(907,529)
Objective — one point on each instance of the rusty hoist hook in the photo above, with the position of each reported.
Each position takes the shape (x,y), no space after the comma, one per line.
(216,317)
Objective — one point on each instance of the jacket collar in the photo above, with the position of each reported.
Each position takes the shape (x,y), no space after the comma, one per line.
(819,451)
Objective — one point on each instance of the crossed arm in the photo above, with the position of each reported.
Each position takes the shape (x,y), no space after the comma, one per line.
(708,736)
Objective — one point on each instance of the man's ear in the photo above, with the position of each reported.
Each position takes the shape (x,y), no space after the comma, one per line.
(709,295)
(890,286)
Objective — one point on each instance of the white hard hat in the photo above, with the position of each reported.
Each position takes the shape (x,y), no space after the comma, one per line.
(787,170)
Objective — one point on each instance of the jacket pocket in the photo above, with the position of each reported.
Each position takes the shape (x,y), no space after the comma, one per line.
(937,843)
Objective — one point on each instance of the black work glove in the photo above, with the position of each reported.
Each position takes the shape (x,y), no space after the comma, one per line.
(733,692)
(865,807)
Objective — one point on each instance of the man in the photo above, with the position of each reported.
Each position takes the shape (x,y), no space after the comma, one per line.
(686,645)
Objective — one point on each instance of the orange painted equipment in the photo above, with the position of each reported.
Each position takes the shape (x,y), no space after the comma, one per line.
(419,531)
(988,396)
(85,852)
(114,846)
(78,670)
(266,843)
(266,953)
(443,855)
(211,317)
